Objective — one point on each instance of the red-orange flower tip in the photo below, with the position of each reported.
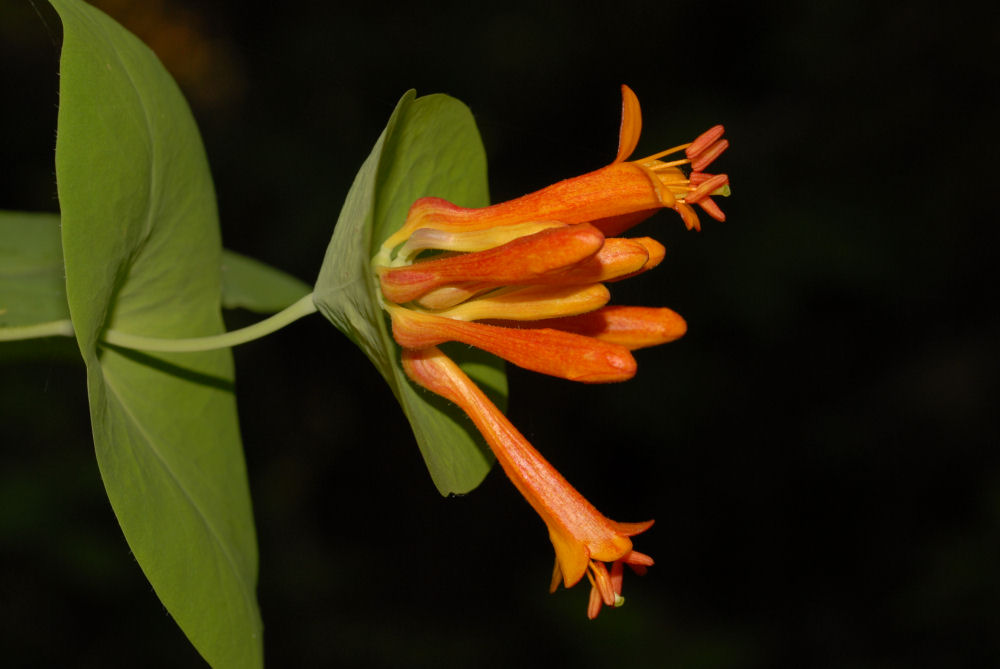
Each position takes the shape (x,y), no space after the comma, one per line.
(631,327)
(553,352)
(606,587)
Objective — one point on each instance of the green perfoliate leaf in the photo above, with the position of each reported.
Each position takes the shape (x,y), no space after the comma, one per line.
(250,284)
(143,256)
(430,147)
(32,283)
(33,309)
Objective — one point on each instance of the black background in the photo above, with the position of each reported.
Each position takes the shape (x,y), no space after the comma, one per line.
(819,452)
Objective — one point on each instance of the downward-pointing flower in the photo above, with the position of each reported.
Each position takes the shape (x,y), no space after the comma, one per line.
(524,280)
(583,538)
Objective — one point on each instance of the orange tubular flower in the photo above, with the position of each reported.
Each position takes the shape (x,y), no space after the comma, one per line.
(583,538)
(524,280)
(613,198)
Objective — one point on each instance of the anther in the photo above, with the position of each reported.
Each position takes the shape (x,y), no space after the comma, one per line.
(706,188)
(705,158)
(712,209)
(704,140)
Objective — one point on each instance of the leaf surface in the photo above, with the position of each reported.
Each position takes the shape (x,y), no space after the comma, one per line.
(33,281)
(430,147)
(249,284)
(142,255)
(32,284)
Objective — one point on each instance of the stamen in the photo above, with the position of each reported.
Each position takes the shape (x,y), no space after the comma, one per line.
(712,209)
(673,163)
(657,156)
(602,581)
(705,158)
(617,576)
(707,188)
(594,603)
(704,140)
(678,188)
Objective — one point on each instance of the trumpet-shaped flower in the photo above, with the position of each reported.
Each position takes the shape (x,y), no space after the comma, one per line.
(524,280)
(613,198)
(583,538)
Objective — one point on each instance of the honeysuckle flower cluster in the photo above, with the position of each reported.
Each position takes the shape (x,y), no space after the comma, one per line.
(525,280)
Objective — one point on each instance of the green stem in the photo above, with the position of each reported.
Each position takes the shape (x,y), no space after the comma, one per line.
(303,307)
(51,329)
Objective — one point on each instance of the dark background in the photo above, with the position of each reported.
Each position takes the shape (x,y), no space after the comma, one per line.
(819,452)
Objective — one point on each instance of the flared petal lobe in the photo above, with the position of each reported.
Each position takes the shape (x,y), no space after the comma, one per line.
(631,128)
